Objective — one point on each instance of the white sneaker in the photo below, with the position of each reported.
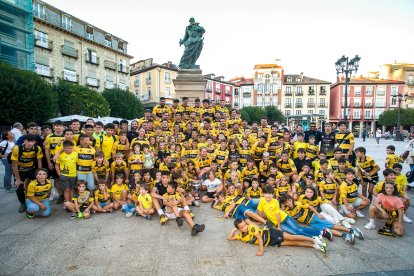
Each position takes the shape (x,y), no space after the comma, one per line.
(196,204)
(346,224)
(350,220)
(128,215)
(341,211)
(319,240)
(319,247)
(359,214)
(407,219)
(369,226)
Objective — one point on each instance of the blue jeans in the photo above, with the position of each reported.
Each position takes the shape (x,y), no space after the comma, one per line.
(320,224)
(129,208)
(89,178)
(242,209)
(8,173)
(34,208)
(289,225)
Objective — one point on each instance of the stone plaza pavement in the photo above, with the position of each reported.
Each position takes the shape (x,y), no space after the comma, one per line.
(113,244)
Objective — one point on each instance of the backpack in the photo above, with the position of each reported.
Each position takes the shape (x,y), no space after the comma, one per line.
(8,155)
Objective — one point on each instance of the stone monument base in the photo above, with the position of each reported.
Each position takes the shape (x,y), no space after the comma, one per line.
(190,83)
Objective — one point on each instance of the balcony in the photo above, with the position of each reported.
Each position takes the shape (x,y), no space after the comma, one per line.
(288,105)
(218,91)
(311,92)
(70,76)
(356,117)
(247,95)
(298,93)
(228,93)
(110,65)
(123,69)
(208,90)
(298,105)
(39,14)
(109,84)
(44,70)
(323,105)
(236,104)
(69,51)
(322,92)
(311,105)
(44,43)
(288,93)
(368,117)
(368,104)
(92,82)
(148,81)
(91,59)
(357,105)
(410,83)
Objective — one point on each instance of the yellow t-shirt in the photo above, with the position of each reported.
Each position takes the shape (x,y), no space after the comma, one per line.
(85,159)
(117,190)
(391,159)
(26,160)
(67,163)
(349,191)
(107,145)
(146,201)
(39,190)
(271,209)
(100,196)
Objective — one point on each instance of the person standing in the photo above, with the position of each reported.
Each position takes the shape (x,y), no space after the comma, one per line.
(328,141)
(378,135)
(6,146)
(364,134)
(17,131)
(313,131)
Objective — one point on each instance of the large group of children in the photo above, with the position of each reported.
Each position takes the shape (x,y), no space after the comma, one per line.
(282,187)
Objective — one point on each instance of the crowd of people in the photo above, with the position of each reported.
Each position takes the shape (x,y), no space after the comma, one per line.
(283,187)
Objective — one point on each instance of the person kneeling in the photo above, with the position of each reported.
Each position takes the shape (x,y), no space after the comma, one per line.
(37,196)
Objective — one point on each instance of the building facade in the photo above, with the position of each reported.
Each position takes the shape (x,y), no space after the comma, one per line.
(402,72)
(218,89)
(305,100)
(367,99)
(243,92)
(16,33)
(267,84)
(150,81)
(69,48)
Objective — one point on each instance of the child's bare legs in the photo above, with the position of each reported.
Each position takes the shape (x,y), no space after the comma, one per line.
(399,231)
(67,194)
(206,199)
(364,188)
(117,204)
(187,218)
(86,214)
(70,206)
(255,216)
(297,243)
(190,199)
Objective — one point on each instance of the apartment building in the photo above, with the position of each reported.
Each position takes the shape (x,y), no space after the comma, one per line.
(149,81)
(267,84)
(69,48)
(218,89)
(243,92)
(16,33)
(367,99)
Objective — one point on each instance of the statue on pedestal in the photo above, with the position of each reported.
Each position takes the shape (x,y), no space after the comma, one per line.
(193,43)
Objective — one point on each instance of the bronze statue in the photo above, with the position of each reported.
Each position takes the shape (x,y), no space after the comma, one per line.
(193,43)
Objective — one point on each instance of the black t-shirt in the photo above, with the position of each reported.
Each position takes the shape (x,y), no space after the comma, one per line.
(161,188)
(299,163)
(131,135)
(328,143)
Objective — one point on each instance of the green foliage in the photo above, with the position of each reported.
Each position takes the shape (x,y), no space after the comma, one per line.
(273,114)
(77,99)
(390,117)
(253,113)
(123,104)
(25,96)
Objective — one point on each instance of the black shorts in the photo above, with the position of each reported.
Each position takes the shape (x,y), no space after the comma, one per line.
(30,174)
(276,237)
(53,173)
(210,194)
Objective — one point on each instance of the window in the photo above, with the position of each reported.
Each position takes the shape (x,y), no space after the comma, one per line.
(357,102)
(298,112)
(289,79)
(380,90)
(322,102)
(167,77)
(66,22)
(137,92)
(267,87)
(39,10)
(288,90)
(287,112)
(274,88)
(167,91)
(310,111)
(91,56)
(367,114)
(259,100)
(267,100)
(299,89)
(393,100)
(274,100)
(288,101)
(136,80)
(394,90)
(410,80)
(41,39)
(357,90)
(322,112)
(357,114)
(260,88)
(368,91)
(122,65)
(380,102)
(108,40)
(311,100)
(298,101)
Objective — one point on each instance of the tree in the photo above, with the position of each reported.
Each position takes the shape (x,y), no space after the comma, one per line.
(25,96)
(77,99)
(253,113)
(390,117)
(123,104)
(273,114)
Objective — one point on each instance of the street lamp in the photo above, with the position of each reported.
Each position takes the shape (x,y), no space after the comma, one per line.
(400,98)
(346,66)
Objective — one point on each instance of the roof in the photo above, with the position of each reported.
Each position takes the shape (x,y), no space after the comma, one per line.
(155,65)
(304,80)
(267,66)
(363,80)
(241,81)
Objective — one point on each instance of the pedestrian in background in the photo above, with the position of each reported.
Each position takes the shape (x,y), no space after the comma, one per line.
(364,134)
(378,135)
(17,131)
(6,146)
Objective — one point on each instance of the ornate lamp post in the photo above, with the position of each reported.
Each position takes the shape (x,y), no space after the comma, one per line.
(400,98)
(346,66)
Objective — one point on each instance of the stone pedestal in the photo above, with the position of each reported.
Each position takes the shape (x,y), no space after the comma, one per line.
(190,83)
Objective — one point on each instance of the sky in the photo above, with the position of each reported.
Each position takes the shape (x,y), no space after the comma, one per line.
(305,36)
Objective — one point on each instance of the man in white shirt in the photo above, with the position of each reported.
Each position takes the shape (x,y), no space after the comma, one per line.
(17,131)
